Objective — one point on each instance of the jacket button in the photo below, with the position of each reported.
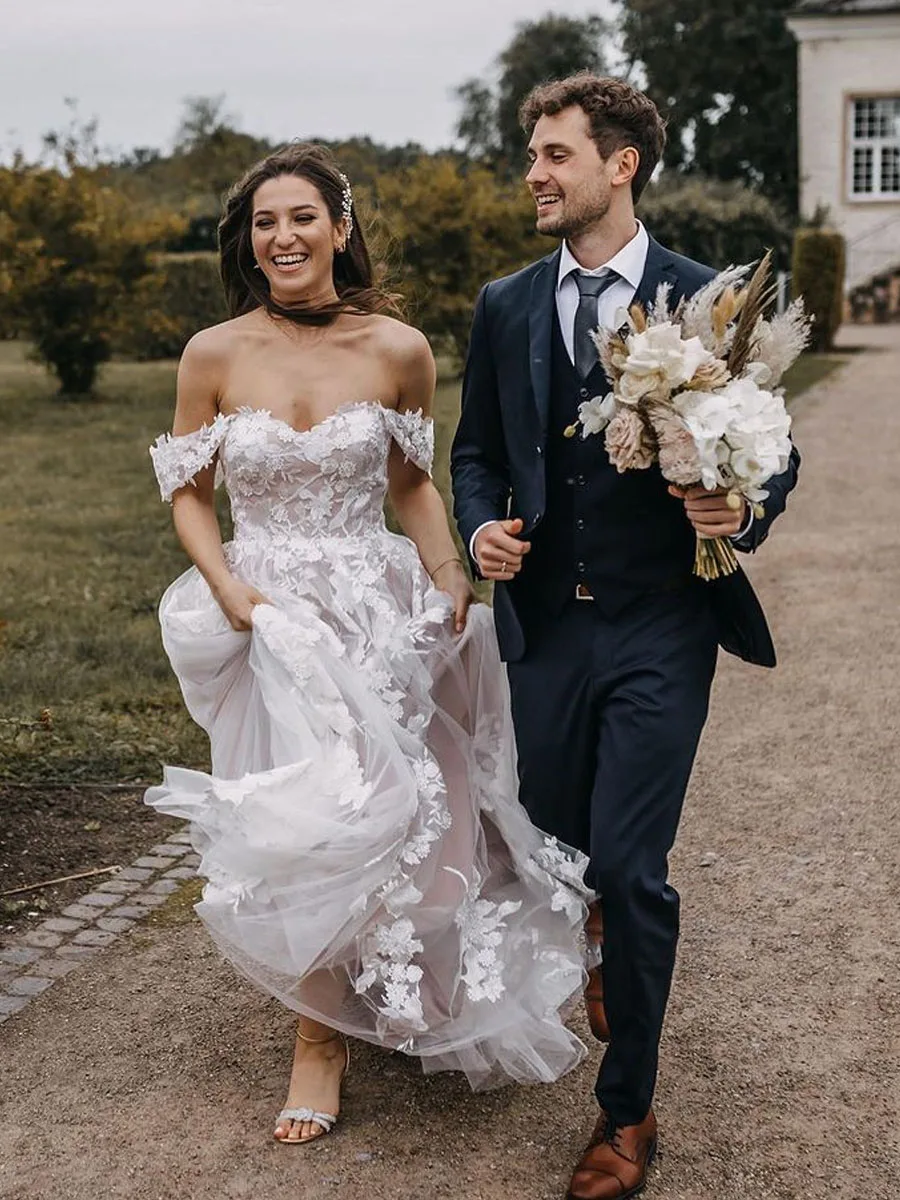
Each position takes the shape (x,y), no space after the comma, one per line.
(583,393)
(581,568)
(579,479)
(580,523)
(536,518)
(540,449)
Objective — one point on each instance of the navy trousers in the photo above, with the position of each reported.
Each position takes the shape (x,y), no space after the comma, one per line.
(608,713)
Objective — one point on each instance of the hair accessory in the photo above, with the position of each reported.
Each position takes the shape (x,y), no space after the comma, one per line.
(346,204)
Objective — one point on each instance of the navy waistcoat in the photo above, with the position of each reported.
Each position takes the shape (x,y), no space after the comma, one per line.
(620,534)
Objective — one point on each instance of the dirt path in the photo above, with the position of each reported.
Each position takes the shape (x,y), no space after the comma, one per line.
(151,1074)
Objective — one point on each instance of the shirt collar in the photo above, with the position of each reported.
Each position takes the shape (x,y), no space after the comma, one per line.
(629,262)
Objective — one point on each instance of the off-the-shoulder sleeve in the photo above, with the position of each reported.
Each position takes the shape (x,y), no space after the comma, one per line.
(177,459)
(414,434)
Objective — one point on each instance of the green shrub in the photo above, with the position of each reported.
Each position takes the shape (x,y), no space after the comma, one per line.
(184,295)
(455,230)
(73,257)
(818,276)
(721,224)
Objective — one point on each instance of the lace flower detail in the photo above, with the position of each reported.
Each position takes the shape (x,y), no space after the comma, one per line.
(481,924)
(567,872)
(414,434)
(387,961)
(178,458)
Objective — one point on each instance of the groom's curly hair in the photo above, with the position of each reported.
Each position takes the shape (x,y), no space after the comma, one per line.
(619,116)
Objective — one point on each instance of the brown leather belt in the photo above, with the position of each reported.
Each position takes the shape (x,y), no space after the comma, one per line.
(583,592)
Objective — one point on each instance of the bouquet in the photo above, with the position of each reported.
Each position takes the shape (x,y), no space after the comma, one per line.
(695,389)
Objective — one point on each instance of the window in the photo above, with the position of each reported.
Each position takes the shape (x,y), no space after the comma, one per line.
(875,148)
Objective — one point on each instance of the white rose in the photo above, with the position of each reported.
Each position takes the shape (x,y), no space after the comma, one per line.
(661,352)
(633,388)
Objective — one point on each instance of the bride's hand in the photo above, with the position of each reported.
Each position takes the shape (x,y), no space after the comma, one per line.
(237,601)
(451,578)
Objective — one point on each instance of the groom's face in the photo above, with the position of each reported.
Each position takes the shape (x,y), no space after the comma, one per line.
(570,182)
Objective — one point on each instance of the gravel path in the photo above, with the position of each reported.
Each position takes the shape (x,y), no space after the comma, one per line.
(148,1072)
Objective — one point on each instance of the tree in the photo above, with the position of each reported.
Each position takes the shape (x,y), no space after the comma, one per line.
(211,153)
(74,253)
(725,78)
(456,229)
(550,48)
(202,119)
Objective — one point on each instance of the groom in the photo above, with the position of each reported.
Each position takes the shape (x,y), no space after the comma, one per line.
(611,644)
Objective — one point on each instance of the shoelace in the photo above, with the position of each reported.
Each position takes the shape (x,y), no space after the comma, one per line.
(612,1134)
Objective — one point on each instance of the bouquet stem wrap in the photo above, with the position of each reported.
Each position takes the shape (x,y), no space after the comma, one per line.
(714,558)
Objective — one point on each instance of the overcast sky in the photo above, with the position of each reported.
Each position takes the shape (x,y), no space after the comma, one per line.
(288,68)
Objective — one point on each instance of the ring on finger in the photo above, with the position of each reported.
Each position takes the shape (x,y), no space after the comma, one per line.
(503,567)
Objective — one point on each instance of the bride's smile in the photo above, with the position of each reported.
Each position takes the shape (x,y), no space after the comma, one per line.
(294,240)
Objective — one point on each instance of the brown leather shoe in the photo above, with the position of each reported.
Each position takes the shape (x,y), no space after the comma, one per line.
(593,992)
(615,1164)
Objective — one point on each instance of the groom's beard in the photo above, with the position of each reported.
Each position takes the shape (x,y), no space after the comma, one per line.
(575,218)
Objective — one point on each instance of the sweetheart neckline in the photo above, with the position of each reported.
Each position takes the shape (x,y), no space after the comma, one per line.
(248,409)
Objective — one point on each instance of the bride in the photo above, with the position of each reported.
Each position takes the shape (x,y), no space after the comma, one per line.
(366,858)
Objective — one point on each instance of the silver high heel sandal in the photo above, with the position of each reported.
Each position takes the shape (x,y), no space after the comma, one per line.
(325,1121)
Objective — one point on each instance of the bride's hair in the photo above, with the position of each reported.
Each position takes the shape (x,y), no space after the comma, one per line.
(246,288)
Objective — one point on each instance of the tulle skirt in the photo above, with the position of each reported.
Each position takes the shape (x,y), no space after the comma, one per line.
(365,855)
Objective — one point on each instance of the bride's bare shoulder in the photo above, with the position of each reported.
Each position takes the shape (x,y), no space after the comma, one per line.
(217,343)
(407,359)
(399,342)
(205,367)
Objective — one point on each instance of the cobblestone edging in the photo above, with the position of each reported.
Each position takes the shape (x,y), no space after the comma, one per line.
(30,963)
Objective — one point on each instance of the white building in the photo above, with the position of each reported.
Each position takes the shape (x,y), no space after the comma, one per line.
(850,126)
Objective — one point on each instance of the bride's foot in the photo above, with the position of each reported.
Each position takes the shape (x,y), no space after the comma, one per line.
(314,1095)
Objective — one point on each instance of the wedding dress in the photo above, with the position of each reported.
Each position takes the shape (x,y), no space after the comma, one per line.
(366,858)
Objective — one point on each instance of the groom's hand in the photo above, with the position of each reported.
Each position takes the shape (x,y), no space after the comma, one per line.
(499,550)
(710,513)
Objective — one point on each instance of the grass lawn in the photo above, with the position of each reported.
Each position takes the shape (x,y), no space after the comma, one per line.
(809,370)
(87,549)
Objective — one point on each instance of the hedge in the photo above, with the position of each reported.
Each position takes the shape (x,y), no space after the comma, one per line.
(185,295)
(721,224)
(818,276)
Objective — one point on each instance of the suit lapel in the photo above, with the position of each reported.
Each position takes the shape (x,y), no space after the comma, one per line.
(541,315)
(659,268)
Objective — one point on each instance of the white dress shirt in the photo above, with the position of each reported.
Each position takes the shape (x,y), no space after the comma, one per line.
(612,308)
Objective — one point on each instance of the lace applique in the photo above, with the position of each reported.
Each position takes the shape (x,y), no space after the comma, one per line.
(481,924)
(295,650)
(177,458)
(222,888)
(414,434)
(387,961)
(566,870)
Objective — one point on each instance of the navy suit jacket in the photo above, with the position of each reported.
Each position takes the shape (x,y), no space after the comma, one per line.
(497,460)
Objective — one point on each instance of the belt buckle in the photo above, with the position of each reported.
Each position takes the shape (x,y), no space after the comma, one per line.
(582,592)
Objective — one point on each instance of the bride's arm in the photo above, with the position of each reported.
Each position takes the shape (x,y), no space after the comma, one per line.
(414,498)
(193,506)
